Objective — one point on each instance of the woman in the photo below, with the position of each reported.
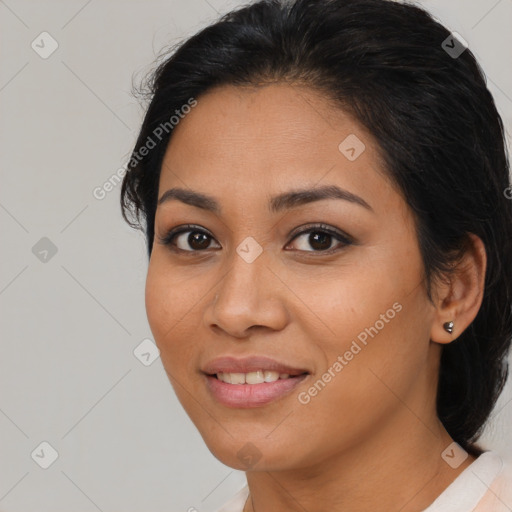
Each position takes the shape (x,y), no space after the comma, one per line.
(322,185)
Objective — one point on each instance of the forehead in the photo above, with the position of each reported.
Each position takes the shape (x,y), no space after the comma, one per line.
(269,138)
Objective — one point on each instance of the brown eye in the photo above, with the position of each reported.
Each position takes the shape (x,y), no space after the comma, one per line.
(197,240)
(320,239)
(187,239)
(191,239)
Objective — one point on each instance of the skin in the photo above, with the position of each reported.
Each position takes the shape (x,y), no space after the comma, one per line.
(373,426)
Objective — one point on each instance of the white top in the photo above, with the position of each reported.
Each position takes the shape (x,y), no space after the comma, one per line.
(484,486)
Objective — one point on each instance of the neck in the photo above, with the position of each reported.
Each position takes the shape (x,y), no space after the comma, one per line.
(398,468)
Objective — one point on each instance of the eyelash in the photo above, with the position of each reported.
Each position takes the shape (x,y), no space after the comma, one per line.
(317,228)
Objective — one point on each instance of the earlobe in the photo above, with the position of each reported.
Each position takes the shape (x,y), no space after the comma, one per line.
(448,327)
(460,300)
(445,333)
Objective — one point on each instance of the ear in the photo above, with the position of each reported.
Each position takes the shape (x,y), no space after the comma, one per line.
(459,299)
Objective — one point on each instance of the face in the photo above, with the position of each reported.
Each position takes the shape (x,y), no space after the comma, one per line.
(331,286)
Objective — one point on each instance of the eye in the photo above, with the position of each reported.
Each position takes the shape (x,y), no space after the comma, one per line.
(320,238)
(197,238)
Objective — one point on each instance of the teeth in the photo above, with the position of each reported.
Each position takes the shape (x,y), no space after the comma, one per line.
(254,377)
(236,378)
(270,376)
(257,377)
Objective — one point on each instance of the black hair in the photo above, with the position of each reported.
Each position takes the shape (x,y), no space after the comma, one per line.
(389,65)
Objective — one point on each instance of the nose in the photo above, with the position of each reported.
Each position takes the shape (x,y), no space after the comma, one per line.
(249,296)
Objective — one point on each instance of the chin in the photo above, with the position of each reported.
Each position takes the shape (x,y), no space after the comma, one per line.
(247,453)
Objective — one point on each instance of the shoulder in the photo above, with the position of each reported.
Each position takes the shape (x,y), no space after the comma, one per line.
(237,502)
(498,487)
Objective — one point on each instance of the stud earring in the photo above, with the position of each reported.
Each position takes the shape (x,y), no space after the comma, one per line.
(448,327)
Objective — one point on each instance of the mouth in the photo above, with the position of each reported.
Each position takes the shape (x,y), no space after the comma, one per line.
(255,377)
(240,393)
(251,365)
(251,381)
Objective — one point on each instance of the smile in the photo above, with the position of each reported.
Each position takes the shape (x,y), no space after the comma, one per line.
(245,395)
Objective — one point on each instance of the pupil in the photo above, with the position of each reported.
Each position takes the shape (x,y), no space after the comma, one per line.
(325,240)
(200,238)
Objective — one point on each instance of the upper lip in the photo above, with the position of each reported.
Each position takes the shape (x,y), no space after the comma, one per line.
(229,364)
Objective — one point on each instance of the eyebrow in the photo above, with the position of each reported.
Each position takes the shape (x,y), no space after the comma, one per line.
(280,202)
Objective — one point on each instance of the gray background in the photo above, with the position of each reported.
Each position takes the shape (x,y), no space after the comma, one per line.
(70,324)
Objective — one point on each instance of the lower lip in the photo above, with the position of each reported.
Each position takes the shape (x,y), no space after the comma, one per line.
(251,395)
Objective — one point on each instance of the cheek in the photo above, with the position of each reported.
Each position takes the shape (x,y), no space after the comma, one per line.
(171,308)
(163,308)
(156,302)
(168,296)
(377,318)
(369,365)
